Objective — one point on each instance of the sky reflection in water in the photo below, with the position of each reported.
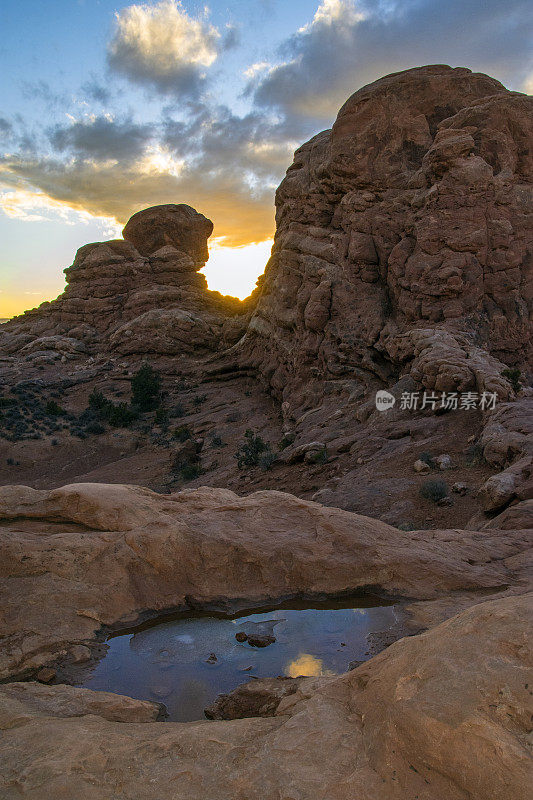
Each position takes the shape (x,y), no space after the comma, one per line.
(167,662)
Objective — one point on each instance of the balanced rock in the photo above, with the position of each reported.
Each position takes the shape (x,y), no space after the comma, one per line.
(178,226)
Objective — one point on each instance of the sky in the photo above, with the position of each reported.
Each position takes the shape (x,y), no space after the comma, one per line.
(110,107)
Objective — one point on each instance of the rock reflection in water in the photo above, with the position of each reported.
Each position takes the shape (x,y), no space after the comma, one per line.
(170,662)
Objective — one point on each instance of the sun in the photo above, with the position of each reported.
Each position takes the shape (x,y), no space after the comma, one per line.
(235,270)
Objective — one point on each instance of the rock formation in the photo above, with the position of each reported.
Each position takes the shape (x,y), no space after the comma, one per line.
(403,241)
(402,261)
(142,294)
(443,713)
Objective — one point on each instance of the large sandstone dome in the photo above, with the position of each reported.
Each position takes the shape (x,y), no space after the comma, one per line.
(403,238)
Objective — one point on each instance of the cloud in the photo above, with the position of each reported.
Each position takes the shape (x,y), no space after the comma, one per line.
(6,128)
(96,91)
(102,138)
(349,44)
(117,191)
(163,47)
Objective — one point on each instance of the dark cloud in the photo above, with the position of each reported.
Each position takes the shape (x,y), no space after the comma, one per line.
(102,138)
(42,91)
(231,38)
(6,128)
(348,45)
(94,90)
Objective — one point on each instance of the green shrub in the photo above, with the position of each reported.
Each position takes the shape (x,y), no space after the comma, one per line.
(434,490)
(250,452)
(182,433)
(474,455)
(97,400)
(95,428)
(161,416)
(146,388)
(319,457)
(120,415)
(179,410)
(285,442)
(190,471)
(54,409)
(427,458)
(513,375)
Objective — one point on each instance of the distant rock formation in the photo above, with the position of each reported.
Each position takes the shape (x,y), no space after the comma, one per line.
(142,294)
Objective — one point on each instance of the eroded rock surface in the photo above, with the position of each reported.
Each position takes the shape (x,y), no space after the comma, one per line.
(442,714)
(91,555)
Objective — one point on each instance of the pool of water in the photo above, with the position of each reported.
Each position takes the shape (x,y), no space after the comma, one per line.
(171,662)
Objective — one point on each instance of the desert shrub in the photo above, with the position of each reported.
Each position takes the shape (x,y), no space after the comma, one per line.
(182,433)
(266,459)
(146,388)
(95,428)
(474,455)
(120,415)
(10,461)
(54,443)
(427,458)
(190,471)
(161,416)
(217,441)
(97,400)
(406,526)
(434,490)
(179,410)
(318,457)
(285,441)
(250,452)
(513,375)
(199,400)
(54,409)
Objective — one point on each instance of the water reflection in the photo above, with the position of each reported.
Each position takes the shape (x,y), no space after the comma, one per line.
(171,662)
(307,665)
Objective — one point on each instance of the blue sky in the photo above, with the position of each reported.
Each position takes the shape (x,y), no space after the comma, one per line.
(110,107)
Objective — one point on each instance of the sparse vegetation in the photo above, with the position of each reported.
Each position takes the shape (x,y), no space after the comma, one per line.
(513,375)
(179,410)
(53,409)
(428,459)
(285,442)
(146,388)
(434,490)
(199,400)
(95,428)
(120,415)
(182,433)
(217,441)
(318,457)
(161,416)
(474,455)
(254,452)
